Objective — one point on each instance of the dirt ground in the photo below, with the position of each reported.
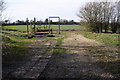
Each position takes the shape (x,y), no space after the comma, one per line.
(40,50)
(76,63)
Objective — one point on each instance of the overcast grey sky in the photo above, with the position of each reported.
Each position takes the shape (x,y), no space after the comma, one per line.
(42,9)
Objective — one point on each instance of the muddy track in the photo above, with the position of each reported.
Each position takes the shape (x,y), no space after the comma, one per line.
(39,53)
(76,63)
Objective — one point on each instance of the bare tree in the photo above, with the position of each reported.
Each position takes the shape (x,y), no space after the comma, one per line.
(91,14)
(2,9)
(118,17)
(100,15)
(115,18)
(85,13)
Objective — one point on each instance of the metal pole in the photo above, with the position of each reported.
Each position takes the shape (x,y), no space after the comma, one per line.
(58,23)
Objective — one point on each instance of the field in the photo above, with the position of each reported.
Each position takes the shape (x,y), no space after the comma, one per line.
(106,38)
(54,27)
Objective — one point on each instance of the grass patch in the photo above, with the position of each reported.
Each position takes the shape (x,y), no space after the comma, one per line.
(69,27)
(59,42)
(13,53)
(14,49)
(106,38)
(15,33)
(112,67)
(57,49)
(105,59)
(65,34)
(95,50)
(16,28)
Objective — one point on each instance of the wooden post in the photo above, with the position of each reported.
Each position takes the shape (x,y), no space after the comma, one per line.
(34,24)
(31,26)
(59,25)
(51,31)
(49,25)
(27,24)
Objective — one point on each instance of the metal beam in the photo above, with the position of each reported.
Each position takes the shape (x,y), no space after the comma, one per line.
(58,19)
(54,17)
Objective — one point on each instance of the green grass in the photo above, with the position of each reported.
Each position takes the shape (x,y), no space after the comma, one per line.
(16,27)
(111,67)
(59,42)
(13,49)
(106,38)
(106,61)
(69,27)
(57,49)
(54,27)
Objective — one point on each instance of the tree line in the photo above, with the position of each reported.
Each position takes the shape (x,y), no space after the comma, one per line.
(40,22)
(101,16)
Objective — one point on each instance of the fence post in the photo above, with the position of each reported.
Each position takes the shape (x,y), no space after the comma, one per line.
(34,24)
(59,25)
(27,24)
